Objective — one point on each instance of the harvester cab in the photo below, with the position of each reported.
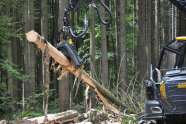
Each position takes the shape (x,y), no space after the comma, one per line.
(165,91)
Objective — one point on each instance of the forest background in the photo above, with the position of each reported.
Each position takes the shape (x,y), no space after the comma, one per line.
(117,55)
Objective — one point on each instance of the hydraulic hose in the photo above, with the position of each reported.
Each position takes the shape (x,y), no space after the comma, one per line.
(71,8)
(98,12)
(85,26)
(86,21)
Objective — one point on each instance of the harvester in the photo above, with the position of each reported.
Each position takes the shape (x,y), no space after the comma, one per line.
(166,88)
(165,91)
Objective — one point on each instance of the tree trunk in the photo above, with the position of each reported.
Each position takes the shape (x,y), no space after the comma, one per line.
(171,57)
(141,43)
(64,92)
(15,84)
(45,58)
(10,60)
(39,55)
(56,28)
(123,70)
(92,55)
(29,57)
(157,29)
(165,21)
(17,57)
(182,24)
(116,35)
(104,76)
(63,117)
(0,73)
(165,30)
(44,19)
(92,43)
(181,28)
(150,36)
(10,80)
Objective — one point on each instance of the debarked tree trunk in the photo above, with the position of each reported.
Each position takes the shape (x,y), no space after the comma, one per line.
(60,58)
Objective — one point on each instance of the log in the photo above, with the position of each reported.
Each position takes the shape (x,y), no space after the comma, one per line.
(59,57)
(63,117)
(18,122)
(67,116)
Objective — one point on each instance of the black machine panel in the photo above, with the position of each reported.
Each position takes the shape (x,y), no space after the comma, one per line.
(175,88)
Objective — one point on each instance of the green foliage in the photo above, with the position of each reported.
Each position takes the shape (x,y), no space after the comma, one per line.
(7,31)
(130,120)
(13,70)
(27,112)
(5,101)
(81,108)
(134,97)
(31,112)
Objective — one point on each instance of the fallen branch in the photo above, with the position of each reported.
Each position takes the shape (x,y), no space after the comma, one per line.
(59,57)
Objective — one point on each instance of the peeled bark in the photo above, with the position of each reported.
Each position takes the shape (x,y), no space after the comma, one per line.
(59,57)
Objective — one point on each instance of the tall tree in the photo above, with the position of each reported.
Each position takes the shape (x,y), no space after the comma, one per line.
(92,54)
(55,31)
(150,35)
(29,57)
(92,42)
(64,92)
(10,80)
(45,62)
(123,70)
(0,72)
(157,29)
(171,57)
(181,23)
(104,50)
(44,19)
(9,57)
(116,33)
(165,21)
(141,40)
(16,56)
(181,26)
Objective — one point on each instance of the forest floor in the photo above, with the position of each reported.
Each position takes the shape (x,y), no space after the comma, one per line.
(73,117)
